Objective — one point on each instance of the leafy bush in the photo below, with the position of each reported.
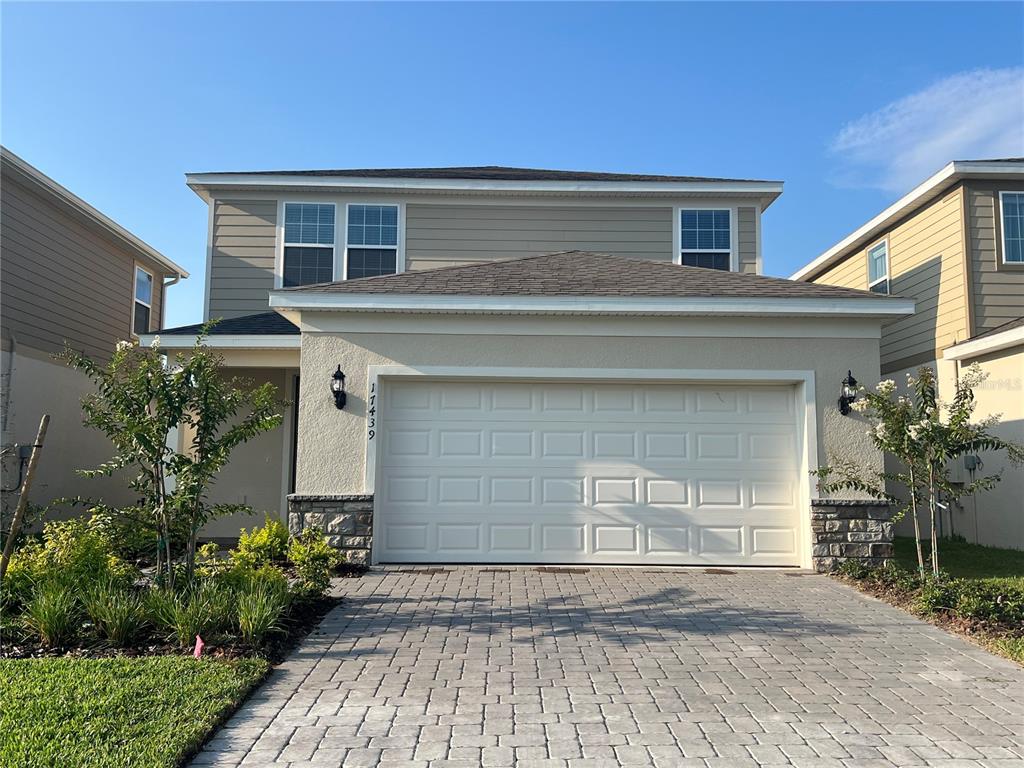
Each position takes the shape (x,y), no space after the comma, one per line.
(854,569)
(264,545)
(313,559)
(207,609)
(52,614)
(130,536)
(988,601)
(72,553)
(260,607)
(118,614)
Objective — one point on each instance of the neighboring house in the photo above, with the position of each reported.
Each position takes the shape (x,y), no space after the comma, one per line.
(68,275)
(540,366)
(956,245)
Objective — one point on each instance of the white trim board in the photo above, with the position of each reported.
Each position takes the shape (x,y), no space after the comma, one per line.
(341,302)
(226,341)
(923,193)
(805,393)
(975,348)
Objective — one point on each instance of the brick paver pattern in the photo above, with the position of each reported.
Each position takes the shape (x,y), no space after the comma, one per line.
(504,667)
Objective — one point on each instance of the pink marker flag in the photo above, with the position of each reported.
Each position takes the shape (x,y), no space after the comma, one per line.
(199,647)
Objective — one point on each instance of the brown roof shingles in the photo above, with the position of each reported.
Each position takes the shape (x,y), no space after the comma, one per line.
(581,273)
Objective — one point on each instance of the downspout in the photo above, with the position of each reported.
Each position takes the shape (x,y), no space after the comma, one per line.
(163,294)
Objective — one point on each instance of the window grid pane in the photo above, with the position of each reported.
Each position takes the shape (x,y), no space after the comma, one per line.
(373,225)
(371,262)
(707,260)
(306,266)
(1013,227)
(141,320)
(309,223)
(143,286)
(878,262)
(705,230)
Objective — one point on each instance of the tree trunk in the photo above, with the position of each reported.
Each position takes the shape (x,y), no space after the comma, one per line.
(26,486)
(932,511)
(917,524)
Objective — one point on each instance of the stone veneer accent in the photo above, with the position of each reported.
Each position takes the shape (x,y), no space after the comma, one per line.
(346,519)
(844,530)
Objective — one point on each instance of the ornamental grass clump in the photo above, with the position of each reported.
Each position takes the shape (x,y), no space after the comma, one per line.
(208,610)
(117,613)
(260,608)
(53,614)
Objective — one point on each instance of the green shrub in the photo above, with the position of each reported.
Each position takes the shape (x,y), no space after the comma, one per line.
(854,569)
(260,607)
(206,609)
(313,559)
(131,540)
(52,614)
(264,545)
(118,613)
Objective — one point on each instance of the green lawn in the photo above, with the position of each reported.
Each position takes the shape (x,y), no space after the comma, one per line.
(109,713)
(967,561)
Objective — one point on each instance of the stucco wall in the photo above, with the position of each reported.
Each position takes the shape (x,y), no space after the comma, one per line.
(332,443)
(39,384)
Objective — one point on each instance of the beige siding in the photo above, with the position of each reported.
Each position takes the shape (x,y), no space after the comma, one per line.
(926,258)
(242,257)
(62,278)
(442,235)
(746,231)
(997,289)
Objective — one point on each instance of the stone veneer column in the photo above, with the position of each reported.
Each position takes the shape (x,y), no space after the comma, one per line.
(844,530)
(346,519)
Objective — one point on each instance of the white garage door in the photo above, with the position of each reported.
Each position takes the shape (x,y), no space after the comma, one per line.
(545,472)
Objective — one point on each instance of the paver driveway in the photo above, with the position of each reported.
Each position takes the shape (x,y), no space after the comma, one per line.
(516,667)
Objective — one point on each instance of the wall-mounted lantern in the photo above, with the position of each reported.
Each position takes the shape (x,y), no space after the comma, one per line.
(847,393)
(338,388)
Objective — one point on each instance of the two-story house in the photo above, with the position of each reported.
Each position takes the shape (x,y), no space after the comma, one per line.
(68,275)
(514,365)
(956,245)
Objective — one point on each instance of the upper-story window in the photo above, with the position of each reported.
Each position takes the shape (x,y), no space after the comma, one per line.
(706,238)
(308,243)
(878,268)
(371,242)
(143,304)
(1012,206)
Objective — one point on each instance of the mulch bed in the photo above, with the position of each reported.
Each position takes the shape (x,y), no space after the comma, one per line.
(302,617)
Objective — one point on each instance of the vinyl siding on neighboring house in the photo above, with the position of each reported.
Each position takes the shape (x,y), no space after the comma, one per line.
(926,263)
(997,289)
(63,279)
(242,256)
(443,235)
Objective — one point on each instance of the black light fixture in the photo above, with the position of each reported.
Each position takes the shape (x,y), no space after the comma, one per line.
(338,388)
(847,393)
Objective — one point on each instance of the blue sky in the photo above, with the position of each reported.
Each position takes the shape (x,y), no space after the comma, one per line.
(849,104)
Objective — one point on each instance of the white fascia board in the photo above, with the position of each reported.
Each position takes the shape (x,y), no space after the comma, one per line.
(203,180)
(951,173)
(284,300)
(225,341)
(104,222)
(983,346)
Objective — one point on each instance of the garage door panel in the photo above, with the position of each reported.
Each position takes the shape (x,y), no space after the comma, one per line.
(568,472)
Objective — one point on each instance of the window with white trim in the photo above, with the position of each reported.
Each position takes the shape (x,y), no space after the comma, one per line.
(878,268)
(371,242)
(1012,210)
(308,244)
(706,238)
(142,308)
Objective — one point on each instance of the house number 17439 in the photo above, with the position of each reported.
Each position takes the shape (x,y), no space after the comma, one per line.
(371,413)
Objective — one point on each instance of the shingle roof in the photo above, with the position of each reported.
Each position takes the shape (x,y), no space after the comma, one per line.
(581,273)
(482,172)
(262,324)
(1018,323)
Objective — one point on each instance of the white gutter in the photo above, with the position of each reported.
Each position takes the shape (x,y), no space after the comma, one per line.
(225,341)
(994,343)
(104,222)
(950,174)
(283,301)
(202,180)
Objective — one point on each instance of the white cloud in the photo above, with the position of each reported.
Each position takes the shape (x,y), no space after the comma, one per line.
(969,115)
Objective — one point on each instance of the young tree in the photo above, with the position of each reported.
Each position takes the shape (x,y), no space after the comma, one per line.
(140,397)
(925,436)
